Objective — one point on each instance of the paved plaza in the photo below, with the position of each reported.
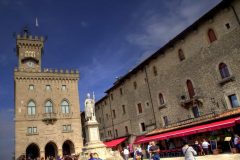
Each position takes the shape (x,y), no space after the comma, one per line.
(209,157)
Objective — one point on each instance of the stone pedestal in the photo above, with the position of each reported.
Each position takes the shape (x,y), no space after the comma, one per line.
(94,145)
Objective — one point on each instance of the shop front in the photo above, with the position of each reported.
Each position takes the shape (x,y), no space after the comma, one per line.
(219,134)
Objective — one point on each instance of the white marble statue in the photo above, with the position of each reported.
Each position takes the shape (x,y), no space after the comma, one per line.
(90,108)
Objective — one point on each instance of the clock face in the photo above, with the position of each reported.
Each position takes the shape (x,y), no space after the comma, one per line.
(30,64)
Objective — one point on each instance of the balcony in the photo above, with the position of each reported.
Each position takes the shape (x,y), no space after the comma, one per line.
(189,102)
(49,118)
(190,120)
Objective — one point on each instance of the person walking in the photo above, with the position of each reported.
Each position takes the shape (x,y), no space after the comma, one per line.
(139,149)
(154,150)
(205,146)
(188,152)
(148,150)
(126,153)
(198,148)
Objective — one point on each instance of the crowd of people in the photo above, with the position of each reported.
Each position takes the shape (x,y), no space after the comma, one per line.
(152,151)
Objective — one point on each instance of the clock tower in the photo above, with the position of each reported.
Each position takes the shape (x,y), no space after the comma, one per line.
(47,109)
(29,51)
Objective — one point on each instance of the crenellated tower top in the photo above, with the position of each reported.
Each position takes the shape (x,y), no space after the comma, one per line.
(29,50)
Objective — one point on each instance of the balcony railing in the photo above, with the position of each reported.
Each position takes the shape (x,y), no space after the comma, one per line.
(191,120)
(49,117)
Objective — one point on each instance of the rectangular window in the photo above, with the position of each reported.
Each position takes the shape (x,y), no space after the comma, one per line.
(31,87)
(111,96)
(123,109)
(165,119)
(29,130)
(64,87)
(32,130)
(135,85)
(116,132)
(139,105)
(67,128)
(114,113)
(121,91)
(48,87)
(126,129)
(143,128)
(233,101)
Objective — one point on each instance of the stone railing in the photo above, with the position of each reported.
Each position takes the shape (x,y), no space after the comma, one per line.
(49,118)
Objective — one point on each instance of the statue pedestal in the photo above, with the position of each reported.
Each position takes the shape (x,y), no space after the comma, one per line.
(94,145)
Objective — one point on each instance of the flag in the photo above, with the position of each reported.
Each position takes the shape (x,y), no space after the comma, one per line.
(36,22)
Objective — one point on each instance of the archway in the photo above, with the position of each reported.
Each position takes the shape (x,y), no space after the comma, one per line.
(68,148)
(51,150)
(32,151)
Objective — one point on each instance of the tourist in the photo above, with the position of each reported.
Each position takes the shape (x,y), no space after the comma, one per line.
(126,153)
(188,152)
(139,151)
(237,141)
(198,148)
(148,150)
(205,146)
(96,157)
(154,150)
(91,157)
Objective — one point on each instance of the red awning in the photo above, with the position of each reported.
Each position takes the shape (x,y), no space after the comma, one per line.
(193,130)
(114,143)
(138,138)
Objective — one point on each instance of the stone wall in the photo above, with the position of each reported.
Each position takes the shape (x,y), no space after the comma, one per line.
(202,59)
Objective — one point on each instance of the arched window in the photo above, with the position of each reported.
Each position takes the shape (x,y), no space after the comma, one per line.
(65,107)
(211,35)
(181,55)
(31,108)
(48,107)
(223,69)
(161,99)
(190,88)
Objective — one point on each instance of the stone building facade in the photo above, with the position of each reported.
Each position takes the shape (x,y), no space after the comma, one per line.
(193,75)
(47,111)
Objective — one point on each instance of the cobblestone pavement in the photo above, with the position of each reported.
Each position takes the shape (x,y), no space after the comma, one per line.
(209,157)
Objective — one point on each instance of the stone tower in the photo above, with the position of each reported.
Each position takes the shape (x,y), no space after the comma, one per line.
(47,111)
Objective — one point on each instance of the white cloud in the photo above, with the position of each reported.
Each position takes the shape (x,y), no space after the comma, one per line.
(159,27)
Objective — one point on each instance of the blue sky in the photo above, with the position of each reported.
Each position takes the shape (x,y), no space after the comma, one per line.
(104,39)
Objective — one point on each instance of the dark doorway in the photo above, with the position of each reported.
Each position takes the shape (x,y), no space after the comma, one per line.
(68,148)
(195,111)
(32,151)
(50,150)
